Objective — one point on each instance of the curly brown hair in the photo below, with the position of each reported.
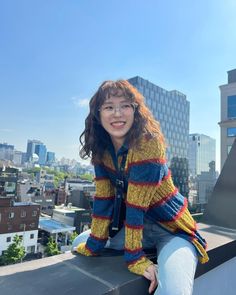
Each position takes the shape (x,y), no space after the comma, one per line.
(95,139)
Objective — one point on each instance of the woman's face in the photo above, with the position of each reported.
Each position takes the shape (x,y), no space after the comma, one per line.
(117,117)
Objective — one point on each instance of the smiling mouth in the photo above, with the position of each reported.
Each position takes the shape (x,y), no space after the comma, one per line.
(118,124)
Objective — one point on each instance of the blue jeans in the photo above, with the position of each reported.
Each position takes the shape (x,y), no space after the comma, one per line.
(176,257)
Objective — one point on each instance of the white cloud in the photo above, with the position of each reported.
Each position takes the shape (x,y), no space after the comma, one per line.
(5,130)
(80,102)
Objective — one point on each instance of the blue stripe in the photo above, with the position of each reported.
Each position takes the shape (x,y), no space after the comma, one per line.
(146,172)
(103,207)
(168,210)
(134,216)
(133,257)
(94,245)
(100,171)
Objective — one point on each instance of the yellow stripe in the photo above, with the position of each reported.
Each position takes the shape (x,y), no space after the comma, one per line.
(139,195)
(133,238)
(140,266)
(99,227)
(166,187)
(148,149)
(204,256)
(104,188)
(185,222)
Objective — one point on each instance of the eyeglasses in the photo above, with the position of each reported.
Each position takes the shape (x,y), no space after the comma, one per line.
(123,108)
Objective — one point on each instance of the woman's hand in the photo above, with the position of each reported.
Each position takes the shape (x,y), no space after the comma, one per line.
(151,274)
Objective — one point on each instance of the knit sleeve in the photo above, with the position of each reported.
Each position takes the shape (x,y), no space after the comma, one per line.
(102,210)
(145,168)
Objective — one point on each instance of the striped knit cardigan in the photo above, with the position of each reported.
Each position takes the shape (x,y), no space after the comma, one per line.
(150,191)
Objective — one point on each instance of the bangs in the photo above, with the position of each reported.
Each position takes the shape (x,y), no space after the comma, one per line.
(117,89)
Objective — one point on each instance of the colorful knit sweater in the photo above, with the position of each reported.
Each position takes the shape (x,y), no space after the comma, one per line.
(150,191)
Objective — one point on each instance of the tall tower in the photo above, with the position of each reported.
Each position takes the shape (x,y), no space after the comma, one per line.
(31,144)
(202,151)
(228,116)
(171,109)
(41,151)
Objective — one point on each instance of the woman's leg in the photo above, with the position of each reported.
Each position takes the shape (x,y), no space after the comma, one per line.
(117,242)
(177,263)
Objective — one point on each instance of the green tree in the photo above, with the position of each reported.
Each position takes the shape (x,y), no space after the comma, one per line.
(73,236)
(87,176)
(52,248)
(15,252)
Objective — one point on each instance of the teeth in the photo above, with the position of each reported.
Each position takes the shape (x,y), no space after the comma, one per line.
(118,123)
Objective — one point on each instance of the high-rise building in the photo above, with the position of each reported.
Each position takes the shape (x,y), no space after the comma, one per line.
(41,151)
(50,158)
(171,109)
(202,151)
(18,157)
(228,115)
(31,144)
(6,151)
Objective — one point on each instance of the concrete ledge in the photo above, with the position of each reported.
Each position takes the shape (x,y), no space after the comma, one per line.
(71,274)
(221,246)
(75,274)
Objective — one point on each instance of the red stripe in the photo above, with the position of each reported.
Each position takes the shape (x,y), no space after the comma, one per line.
(101,178)
(165,199)
(136,206)
(132,251)
(167,176)
(194,229)
(149,183)
(86,247)
(101,217)
(104,198)
(97,238)
(155,160)
(134,226)
(134,261)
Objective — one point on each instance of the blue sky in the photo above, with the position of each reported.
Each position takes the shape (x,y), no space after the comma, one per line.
(54,54)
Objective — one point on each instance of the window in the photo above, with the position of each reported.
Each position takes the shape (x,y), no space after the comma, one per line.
(11,215)
(32,224)
(23,214)
(34,213)
(22,226)
(0,217)
(231,132)
(8,239)
(31,236)
(229,148)
(31,249)
(232,106)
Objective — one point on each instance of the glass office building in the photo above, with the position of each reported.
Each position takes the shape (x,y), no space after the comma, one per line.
(202,151)
(228,116)
(171,109)
(41,151)
(31,144)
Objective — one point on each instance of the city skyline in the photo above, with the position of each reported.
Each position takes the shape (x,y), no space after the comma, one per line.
(53,56)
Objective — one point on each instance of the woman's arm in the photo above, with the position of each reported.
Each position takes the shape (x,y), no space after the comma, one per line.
(102,213)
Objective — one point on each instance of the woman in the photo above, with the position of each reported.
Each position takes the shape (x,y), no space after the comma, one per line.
(136,204)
